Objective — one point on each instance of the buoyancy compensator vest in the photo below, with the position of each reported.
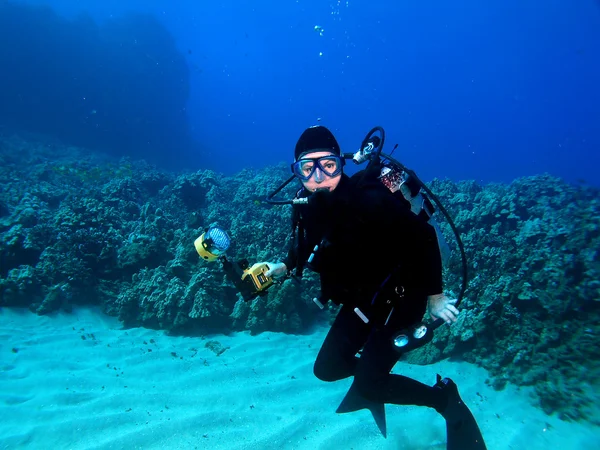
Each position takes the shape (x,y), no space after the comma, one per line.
(400,180)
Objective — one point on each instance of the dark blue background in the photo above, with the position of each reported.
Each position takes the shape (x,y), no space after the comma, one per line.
(469,89)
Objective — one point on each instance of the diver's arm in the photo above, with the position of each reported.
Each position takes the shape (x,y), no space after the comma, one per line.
(292,257)
(408,234)
(427,255)
(442,307)
(280,269)
(432,263)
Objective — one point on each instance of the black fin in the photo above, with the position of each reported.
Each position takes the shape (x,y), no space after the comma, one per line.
(353,401)
(461,427)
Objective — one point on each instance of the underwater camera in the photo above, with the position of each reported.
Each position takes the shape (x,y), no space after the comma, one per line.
(250,281)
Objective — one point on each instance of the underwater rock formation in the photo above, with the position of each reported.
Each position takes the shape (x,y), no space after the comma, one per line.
(121,86)
(77,229)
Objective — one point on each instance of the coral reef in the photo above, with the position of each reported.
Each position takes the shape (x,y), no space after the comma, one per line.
(532,309)
(80,229)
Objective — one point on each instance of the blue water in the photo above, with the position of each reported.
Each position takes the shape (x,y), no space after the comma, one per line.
(469,90)
(488,91)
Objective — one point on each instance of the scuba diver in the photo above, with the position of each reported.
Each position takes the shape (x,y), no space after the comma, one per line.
(380,259)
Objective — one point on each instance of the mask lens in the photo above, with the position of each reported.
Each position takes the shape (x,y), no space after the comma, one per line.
(306,167)
(330,165)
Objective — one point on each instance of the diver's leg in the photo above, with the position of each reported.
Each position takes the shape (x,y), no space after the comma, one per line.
(373,379)
(337,357)
(461,427)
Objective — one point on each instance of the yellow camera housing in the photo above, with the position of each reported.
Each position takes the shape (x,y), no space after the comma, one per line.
(249,281)
(203,249)
(256,274)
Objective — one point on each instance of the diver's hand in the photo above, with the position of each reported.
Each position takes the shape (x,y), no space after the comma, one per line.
(442,307)
(277,270)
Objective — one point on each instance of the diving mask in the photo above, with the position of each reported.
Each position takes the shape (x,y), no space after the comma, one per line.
(329,165)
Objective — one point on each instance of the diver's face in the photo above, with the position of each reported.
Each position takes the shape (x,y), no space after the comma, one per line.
(319,179)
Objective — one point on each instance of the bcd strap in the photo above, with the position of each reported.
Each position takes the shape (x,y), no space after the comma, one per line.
(297,237)
(369,175)
(299,252)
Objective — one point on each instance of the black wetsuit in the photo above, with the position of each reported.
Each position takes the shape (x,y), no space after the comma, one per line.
(367,233)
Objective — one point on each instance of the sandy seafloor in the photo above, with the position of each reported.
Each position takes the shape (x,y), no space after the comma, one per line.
(81,381)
